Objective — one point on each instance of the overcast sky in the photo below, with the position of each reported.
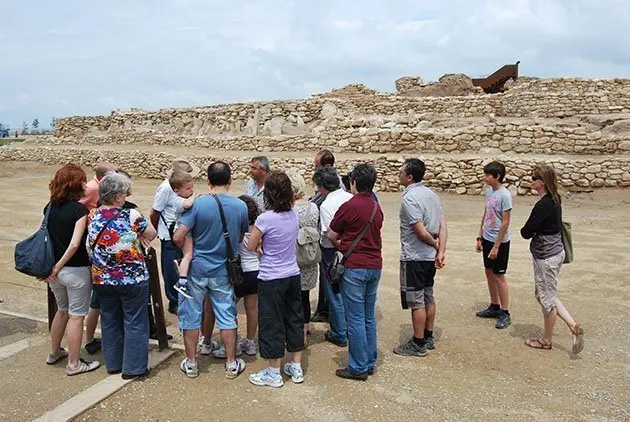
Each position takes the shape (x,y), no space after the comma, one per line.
(62,57)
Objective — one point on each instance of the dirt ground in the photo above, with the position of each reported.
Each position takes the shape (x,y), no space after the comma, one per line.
(477,372)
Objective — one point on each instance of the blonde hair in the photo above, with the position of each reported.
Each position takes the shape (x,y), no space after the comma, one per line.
(548,176)
(297,183)
(179,178)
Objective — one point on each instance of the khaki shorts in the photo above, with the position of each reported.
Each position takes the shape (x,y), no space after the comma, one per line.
(546,273)
(73,289)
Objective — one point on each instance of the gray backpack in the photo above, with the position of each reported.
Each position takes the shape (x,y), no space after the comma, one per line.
(307,250)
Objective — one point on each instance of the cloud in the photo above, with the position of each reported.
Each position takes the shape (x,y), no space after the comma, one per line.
(62,60)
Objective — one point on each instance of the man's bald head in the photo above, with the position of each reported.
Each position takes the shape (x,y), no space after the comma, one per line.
(102,168)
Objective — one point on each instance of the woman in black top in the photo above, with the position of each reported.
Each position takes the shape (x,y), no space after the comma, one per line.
(544,228)
(70,278)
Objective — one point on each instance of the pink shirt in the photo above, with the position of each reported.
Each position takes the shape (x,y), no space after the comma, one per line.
(90,199)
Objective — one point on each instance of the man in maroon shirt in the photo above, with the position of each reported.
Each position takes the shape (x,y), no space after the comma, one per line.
(362,269)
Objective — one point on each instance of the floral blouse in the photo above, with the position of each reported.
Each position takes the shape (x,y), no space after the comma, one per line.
(117,258)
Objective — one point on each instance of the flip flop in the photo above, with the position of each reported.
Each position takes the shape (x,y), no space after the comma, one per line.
(538,344)
(578,339)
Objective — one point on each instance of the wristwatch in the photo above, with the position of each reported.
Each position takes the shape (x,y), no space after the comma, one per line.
(480,239)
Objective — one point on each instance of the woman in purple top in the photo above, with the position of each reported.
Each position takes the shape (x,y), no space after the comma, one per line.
(280,317)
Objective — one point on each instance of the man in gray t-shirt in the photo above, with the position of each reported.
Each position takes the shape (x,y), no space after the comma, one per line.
(422,250)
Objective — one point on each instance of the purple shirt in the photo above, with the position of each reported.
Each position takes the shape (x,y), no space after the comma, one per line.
(280,231)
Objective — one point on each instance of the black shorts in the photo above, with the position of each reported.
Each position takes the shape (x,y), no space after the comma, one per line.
(249,286)
(280,317)
(94,303)
(500,264)
(416,284)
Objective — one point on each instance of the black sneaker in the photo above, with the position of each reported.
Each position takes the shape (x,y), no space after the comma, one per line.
(344,373)
(153,335)
(503,320)
(93,346)
(429,342)
(411,349)
(328,337)
(489,313)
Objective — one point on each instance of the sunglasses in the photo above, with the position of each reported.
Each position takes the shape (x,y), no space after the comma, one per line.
(534,178)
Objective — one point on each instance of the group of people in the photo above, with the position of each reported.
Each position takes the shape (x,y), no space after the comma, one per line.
(271,247)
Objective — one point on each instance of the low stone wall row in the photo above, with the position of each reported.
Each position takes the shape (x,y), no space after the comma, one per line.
(463,176)
(382,135)
(543,98)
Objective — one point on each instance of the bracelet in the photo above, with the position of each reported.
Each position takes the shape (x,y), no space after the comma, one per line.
(480,239)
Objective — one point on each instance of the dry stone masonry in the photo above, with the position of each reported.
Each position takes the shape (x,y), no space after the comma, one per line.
(580,126)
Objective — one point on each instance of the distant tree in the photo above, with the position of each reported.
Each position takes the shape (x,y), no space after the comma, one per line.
(35,123)
(24,128)
(53,122)
(1,126)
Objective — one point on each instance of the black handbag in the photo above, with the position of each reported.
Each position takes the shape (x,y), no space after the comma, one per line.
(35,255)
(235,270)
(335,268)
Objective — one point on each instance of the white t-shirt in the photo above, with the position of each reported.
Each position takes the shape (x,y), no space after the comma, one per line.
(170,205)
(250,261)
(327,211)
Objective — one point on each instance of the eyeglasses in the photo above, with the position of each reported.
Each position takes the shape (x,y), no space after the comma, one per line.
(534,178)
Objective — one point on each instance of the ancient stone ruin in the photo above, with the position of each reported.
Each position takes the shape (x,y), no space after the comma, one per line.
(580,126)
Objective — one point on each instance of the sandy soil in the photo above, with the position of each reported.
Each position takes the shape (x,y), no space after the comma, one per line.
(476,372)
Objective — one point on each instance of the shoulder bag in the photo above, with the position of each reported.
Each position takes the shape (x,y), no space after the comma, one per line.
(35,255)
(235,270)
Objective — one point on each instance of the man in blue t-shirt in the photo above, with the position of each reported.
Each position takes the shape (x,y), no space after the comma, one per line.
(208,274)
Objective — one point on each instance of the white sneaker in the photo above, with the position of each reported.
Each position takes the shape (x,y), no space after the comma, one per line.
(248,346)
(221,354)
(191,371)
(207,349)
(235,369)
(295,372)
(266,378)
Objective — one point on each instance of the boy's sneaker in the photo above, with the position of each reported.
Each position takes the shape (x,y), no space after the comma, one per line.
(191,371)
(411,349)
(182,288)
(503,320)
(207,349)
(295,372)
(429,343)
(248,346)
(93,346)
(235,369)
(489,312)
(266,378)
(221,354)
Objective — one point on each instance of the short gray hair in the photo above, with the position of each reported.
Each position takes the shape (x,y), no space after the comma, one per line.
(263,162)
(112,184)
(298,184)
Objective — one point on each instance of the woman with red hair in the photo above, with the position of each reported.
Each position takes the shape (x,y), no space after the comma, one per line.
(70,279)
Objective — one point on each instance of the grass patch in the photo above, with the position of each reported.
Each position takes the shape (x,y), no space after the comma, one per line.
(7,141)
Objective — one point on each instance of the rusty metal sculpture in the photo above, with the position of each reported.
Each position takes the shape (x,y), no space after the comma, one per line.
(495,83)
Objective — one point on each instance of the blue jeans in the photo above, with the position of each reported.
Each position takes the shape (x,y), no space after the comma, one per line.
(168,254)
(125,327)
(336,313)
(322,301)
(358,289)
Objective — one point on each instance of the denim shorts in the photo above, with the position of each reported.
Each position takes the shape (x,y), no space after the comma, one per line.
(221,294)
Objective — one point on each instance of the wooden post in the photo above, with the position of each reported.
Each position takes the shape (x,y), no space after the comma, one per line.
(52,306)
(156,298)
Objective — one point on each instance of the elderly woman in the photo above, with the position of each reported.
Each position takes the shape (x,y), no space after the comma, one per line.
(70,276)
(308,215)
(280,318)
(544,228)
(120,277)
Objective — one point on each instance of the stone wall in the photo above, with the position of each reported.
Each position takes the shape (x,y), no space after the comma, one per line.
(460,175)
(362,121)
